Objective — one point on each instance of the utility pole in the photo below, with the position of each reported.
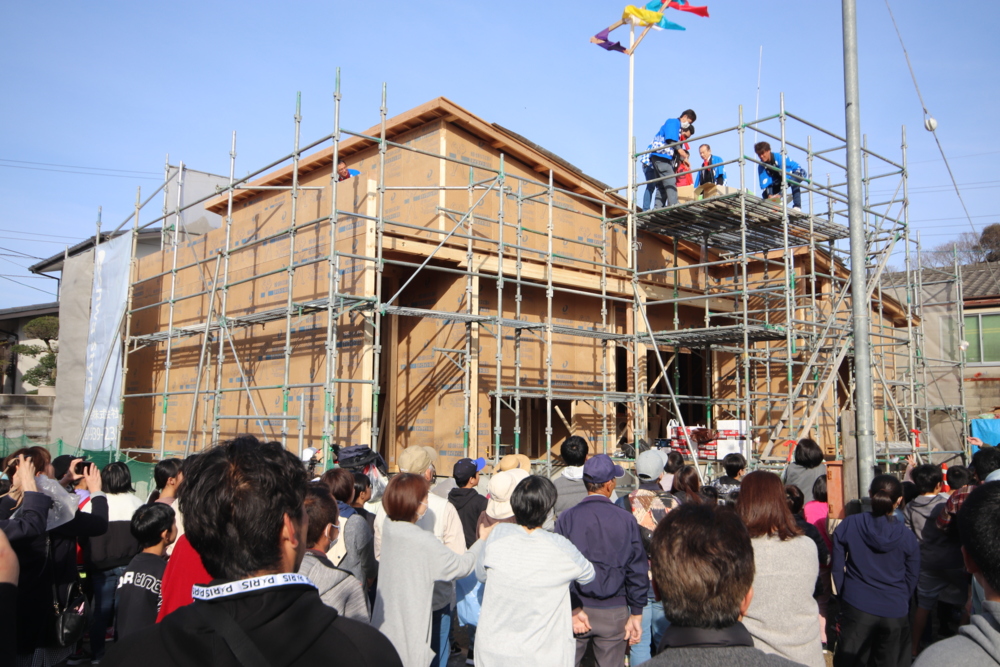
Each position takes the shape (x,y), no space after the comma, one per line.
(864,421)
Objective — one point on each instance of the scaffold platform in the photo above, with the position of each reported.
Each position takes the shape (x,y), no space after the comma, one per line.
(718,219)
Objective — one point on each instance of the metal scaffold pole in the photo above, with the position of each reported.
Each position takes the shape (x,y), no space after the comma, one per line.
(379,270)
(290,301)
(864,416)
(170,319)
(333,287)
(133,271)
(499,310)
(224,296)
(548,328)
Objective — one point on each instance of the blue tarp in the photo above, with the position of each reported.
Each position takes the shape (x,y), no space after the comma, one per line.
(987,430)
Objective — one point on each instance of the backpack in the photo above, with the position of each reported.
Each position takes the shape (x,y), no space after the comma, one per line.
(649,508)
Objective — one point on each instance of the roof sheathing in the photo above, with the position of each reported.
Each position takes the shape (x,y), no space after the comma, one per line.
(565,175)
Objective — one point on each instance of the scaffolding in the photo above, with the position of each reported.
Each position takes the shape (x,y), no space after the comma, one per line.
(543,296)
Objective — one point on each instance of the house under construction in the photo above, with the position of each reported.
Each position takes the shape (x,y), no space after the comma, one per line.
(471,291)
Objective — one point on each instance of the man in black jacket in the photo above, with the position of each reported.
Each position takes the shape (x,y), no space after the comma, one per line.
(243,505)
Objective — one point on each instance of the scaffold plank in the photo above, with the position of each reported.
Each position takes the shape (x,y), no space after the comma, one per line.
(719,219)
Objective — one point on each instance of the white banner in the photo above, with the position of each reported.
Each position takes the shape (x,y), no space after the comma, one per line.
(196,185)
(104,345)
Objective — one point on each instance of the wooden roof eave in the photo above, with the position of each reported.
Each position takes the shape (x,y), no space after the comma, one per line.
(444,109)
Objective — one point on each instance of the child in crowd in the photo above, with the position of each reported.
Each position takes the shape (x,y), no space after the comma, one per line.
(736,467)
(817,511)
(139,599)
(815,514)
(683,168)
(958,476)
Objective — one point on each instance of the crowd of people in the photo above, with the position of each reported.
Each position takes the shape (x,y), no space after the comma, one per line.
(666,166)
(244,556)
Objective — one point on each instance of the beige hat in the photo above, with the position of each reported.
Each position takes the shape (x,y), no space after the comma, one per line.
(514,461)
(417,459)
(501,487)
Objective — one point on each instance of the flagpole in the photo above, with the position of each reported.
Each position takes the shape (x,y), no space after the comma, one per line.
(631,110)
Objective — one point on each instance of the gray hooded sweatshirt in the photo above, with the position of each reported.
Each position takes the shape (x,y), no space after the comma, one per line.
(337,588)
(937,550)
(976,644)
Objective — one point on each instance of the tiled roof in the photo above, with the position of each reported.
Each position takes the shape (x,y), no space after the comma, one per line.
(981,280)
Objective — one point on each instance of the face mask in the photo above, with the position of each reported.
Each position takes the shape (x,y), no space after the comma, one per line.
(333,540)
(685,126)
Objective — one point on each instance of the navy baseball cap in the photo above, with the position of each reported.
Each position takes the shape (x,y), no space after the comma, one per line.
(468,467)
(600,469)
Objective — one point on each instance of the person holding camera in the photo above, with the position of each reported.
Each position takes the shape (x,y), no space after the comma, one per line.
(48,584)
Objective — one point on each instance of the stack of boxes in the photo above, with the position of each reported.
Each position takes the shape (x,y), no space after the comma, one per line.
(729,437)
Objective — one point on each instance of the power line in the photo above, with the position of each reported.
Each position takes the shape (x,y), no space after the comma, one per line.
(28,286)
(23,254)
(51,236)
(14,238)
(980,185)
(18,275)
(83,173)
(957,157)
(931,125)
(76,166)
(13,262)
(990,215)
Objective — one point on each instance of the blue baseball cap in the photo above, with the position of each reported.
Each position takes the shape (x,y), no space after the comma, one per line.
(600,469)
(468,467)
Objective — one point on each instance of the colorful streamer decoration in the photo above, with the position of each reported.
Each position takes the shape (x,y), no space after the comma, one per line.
(651,16)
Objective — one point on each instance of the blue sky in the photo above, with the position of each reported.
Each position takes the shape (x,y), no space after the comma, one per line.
(119,85)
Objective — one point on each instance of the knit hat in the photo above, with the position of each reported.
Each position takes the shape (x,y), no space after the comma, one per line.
(501,488)
(417,459)
(649,464)
(512,461)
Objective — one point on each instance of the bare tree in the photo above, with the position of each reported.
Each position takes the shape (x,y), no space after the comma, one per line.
(970,248)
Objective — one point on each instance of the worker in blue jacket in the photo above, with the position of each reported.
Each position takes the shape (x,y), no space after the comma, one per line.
(343,173)
(716,174)
(769,172)
(660,162)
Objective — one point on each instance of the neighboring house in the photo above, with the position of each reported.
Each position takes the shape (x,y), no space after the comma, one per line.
(12,321)
(981,301)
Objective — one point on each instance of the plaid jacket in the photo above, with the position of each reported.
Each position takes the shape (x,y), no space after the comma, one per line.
(947,516)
